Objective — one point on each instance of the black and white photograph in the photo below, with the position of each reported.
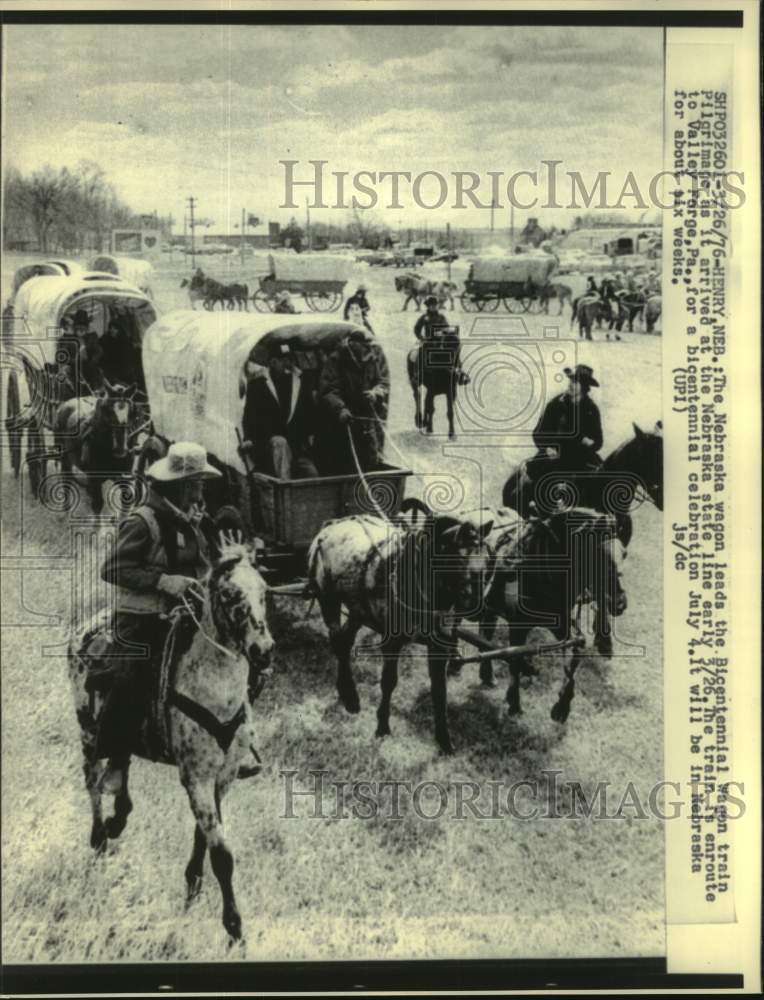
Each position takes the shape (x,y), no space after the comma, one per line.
(334,394)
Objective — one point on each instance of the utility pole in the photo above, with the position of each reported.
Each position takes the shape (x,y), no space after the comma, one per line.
(448,248)
(191,203)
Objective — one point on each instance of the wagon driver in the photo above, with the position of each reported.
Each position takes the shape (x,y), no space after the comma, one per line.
(353,394)
(162,549)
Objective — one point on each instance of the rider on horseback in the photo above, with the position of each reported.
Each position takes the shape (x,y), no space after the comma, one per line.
(425,326)
(161,550)
(571,425)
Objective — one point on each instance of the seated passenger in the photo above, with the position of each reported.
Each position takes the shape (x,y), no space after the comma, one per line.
(90,371)
(354,390)
(279,419)
(119,355)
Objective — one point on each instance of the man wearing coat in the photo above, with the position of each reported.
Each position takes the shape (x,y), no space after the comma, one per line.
(570,426)
(353,393)
(279,415)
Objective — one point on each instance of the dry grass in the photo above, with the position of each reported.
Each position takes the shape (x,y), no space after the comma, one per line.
(336,888)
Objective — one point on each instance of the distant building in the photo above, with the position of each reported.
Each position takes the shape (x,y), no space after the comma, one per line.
(258,240)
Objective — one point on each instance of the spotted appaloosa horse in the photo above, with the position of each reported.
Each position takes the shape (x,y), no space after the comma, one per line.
(93,435)
(398,580)
(209,715)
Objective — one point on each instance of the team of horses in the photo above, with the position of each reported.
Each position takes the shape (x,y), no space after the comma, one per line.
(555,545)
(210,293)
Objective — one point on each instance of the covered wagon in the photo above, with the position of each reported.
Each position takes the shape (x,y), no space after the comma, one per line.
(516,281)
(196,376)
(45,358)
(134,271)
(319,278)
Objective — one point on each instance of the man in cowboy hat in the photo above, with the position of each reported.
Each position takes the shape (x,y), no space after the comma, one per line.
(430,320)
(570,428)
(360,301)
(353,393)
(278,421)
(162,549)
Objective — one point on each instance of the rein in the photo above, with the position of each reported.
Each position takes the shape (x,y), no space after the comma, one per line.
(209,638)
(383,514)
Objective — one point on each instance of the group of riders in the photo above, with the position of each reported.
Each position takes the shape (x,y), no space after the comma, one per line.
(619,294)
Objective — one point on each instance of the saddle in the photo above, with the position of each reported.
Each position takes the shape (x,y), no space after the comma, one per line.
(101,652)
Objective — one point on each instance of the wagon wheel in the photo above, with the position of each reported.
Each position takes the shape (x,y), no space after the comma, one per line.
(323,301)
(12,414)
(468,302)
(489,304)
(262,302)
(36,461)
(513,305)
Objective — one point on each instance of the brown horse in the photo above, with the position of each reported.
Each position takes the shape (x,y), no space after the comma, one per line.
(207,712)
(94,437)
(436,366)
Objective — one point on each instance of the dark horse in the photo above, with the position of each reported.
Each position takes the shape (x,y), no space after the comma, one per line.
(93,436)
(545,567)
(436,365)
(629,473)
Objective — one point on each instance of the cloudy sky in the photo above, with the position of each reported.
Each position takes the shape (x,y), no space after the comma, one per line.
(210,111)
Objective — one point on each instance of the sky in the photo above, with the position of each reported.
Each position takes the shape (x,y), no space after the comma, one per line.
(210,111)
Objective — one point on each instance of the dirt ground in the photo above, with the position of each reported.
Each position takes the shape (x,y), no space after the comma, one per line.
(339,886)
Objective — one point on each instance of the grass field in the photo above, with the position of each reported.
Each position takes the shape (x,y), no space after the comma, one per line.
(349,887)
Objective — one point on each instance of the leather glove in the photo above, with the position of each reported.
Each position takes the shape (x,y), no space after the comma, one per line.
(345,417)
(174,584)
(246,447)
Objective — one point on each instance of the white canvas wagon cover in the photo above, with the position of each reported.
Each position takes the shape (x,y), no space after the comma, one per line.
(193,363)
(517,269)
(309,267)
(44,302)
(135,272)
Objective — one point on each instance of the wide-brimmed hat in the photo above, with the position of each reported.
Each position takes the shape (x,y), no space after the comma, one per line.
(184,460)
(362,288)
(81,318)
(430,301)
(582,374)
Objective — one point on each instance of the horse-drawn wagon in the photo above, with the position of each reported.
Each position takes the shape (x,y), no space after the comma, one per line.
(516,281)
(195,366)
(44,352)
(319,278)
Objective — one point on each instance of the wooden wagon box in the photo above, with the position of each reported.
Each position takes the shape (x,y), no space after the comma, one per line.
(290,512)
